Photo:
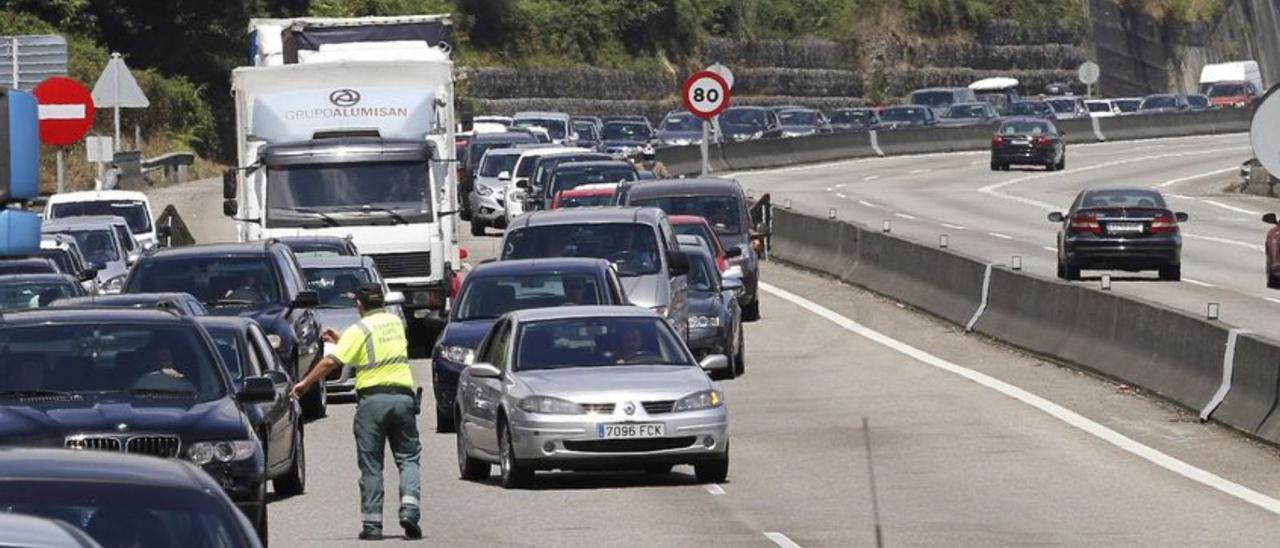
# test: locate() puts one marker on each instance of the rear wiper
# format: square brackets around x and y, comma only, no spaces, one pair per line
[329,220]
[37,394]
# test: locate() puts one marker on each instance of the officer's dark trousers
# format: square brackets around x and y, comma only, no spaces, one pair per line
[383,418]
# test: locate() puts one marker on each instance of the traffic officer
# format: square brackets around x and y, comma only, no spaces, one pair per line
[375,347]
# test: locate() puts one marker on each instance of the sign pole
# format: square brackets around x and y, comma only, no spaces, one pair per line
[60,169]
[706,136]
[13,51]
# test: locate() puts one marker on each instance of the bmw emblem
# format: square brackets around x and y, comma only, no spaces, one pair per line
[122,427]
[629,408]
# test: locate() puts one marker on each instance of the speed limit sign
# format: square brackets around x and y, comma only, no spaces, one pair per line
[705,94]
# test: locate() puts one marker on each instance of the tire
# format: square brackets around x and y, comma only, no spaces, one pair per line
[477,227]
[514,475]
[261,522]
[469,469]
[1062,164]
[751,311]
[1068,271]
[315,403]
[740,357]
[1171,273]
[444,423]
[1273,282]
[294,482]
[1051,166]
[713,471]
[995,166]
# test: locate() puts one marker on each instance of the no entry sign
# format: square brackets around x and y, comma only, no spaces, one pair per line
[65,110]
[705,94]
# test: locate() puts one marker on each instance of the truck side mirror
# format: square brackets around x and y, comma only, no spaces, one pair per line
[230,208]
[229,184]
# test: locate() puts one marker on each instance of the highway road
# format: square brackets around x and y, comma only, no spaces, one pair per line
[961,457]
[994,216]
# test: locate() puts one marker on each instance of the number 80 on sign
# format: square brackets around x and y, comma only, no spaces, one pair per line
[705,94]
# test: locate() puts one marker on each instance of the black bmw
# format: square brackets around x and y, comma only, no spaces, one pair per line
[1028,141]
[1122,229]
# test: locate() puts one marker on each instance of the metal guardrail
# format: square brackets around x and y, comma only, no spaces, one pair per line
[171,167]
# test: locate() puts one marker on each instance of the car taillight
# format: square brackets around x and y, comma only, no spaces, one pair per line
[997,141]
[1084,222]
[1163,224]
[1043,142]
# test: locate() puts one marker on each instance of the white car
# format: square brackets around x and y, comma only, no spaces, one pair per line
[512,193]
[1102,108]
[133,206]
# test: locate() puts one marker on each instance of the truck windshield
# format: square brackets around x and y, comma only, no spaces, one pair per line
[348,194]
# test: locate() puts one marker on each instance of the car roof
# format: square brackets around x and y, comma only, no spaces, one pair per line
[950,89]
[541,114]
[710,186]
[258,248]
[1025,119]
[797,109]
[94,466]
[504,137]
[594,189]
[646,215]
[286,240]
[592,163]
[96,196]
[225,322]
[41,277]
[549,149]
[572,312]
[687,220]
[747,107]
[56,315]
[521,266]
[40,260]
[335,261]
[83,221]
[125,299]
[1123,188]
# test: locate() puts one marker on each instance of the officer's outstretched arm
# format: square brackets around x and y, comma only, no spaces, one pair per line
[318,372]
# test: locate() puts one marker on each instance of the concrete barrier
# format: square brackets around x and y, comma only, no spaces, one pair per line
[1255,384]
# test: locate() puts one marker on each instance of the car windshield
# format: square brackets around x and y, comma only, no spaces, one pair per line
[597,342]
[798,118]
[61,258]
[585,130]
[18,295]
[633,247]
[212,279]
[1159,101]
[703,273]
[747,118]
[555,128]
[1128,105]
[903,114]
[626,131]
[570,179]
[1029,108]
[125,515]
[348,194]
[681,122]
[524,166]
[1198,101]
[336,286]
[1122,198]
[98,245]
[935,99]
[487,297]
[494,164]
[27,267]
[966,111]
[1062,106]
[227,340]
[851,117]
[1227,90]
[1098,106]
[133,211]
[720,211]
[585,201]
[104,358]
[1021,127]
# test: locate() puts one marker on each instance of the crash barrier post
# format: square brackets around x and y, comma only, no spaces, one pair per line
[178,233]
[1203,365]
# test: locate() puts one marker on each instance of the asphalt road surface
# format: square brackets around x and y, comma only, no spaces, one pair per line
[958,462]
[997,215]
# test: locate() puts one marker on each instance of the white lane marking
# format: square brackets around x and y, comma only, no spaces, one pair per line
[1230,207]
[829,189]
[1255,247]
[870,177]
[868,204]
[953,227]
[1172,182]
[904,216]
[1001,236]
[919,171]
[1050,408]
[1197,282]
[781,540]
[1047,248]
[714,489]
[60,112]
[1272,299]
[1181,196]
[841,196]
[839,185]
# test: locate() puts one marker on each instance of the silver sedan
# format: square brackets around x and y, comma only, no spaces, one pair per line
[589,388]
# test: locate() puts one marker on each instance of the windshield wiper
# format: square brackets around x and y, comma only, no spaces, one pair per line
[37,394]
[390,213]
[162,392]
[329,220]
[223,302]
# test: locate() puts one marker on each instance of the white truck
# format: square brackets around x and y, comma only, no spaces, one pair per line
[1232,84]
[345,127]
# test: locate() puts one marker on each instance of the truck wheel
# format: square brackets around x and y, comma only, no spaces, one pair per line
[477,227]
[1273,282]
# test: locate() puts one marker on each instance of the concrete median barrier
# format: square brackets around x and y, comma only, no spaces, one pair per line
[1255,384]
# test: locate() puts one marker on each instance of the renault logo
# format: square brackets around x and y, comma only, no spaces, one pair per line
[629,408]
[344,97]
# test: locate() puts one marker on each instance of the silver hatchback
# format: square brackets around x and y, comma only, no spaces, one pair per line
[589,388]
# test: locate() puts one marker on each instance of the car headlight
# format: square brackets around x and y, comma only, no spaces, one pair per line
[484,190]
[757,135]
[546,405]
[699,322]
[274,340]
[706,399]
[114,285]
[661,310]
[205,452]
[457,354]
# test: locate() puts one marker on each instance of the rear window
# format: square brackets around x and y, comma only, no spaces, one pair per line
[133,211]
[935,99]
[1021,127]
[494,164]
[850,117]
[1098,106]
[1122,198]
[904,114]
[1029,108]
[1227,90]
[1159,101]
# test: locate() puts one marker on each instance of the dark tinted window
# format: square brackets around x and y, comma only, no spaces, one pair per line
[681,121]
[492,296]
[748,118]
[98,246]
[703,273]
[336,286]
[1227,90]
[32,294]
[347,187]
[966,111]
[597,342]
[27,267]
[134,212]
[633,247]
[626,131]
[212,280]
[1029,108]
[935,99]
[1063,106]
[798,118]
[1095,199]
[569,179]
[904,114]
[1159,101]
[227,341]
[1025,127]
[1128,105]
[1198,101]
[1098,106]
[720,211]
[60,258]
[853,117]
[555,128]
[585,201]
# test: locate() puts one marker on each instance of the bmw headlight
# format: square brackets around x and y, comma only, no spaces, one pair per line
[700,322]
[205,452]
[547,405]
[114,285]
[706,399]
[457,354]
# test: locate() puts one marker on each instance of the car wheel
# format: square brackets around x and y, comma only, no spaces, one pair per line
[261,522]
[444,423]
[1051,166]
[294,482]
[477,227]
[1062,164]
[514,474]
[713,471]
[470,469]
[1171,273]
[1273,282]
[751,311]
[995,166]
[740,357]
[315,402]
[1068,271]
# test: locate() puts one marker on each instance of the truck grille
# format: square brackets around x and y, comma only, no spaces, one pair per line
[156,446]
[403,265]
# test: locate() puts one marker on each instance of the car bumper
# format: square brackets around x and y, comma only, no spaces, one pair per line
[1034,155]
[242,481]
[706,342]
[444,382]
[1123,254]
[571,442]
[487,208]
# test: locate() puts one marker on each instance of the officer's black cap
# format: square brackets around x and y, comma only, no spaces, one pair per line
[370,296]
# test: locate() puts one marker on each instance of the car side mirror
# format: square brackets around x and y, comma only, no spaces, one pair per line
[733,284]
[733,252]
[504,176]
[1181,217]
[1269,218]
[523,184]
[88,274]
[1055,217]
[278,377]
[714,362]
[229,184]
[484,370]
[394,297]
[306,299]
[677,263]
[257,390]
[230,208]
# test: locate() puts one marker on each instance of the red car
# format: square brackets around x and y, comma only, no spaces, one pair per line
[698,226]
[585,196]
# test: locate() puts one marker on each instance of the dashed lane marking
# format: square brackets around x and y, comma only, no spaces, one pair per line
[714,489]
[904,216]
[781,540]
[868,204]
[1172,182]
[999,235]
[1197,282]
[953,227]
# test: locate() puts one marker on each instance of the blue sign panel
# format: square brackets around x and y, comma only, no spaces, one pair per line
[19,146]
[19,233]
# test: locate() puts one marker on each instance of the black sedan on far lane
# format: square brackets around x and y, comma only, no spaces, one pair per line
[1119,228]
[1028,141]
